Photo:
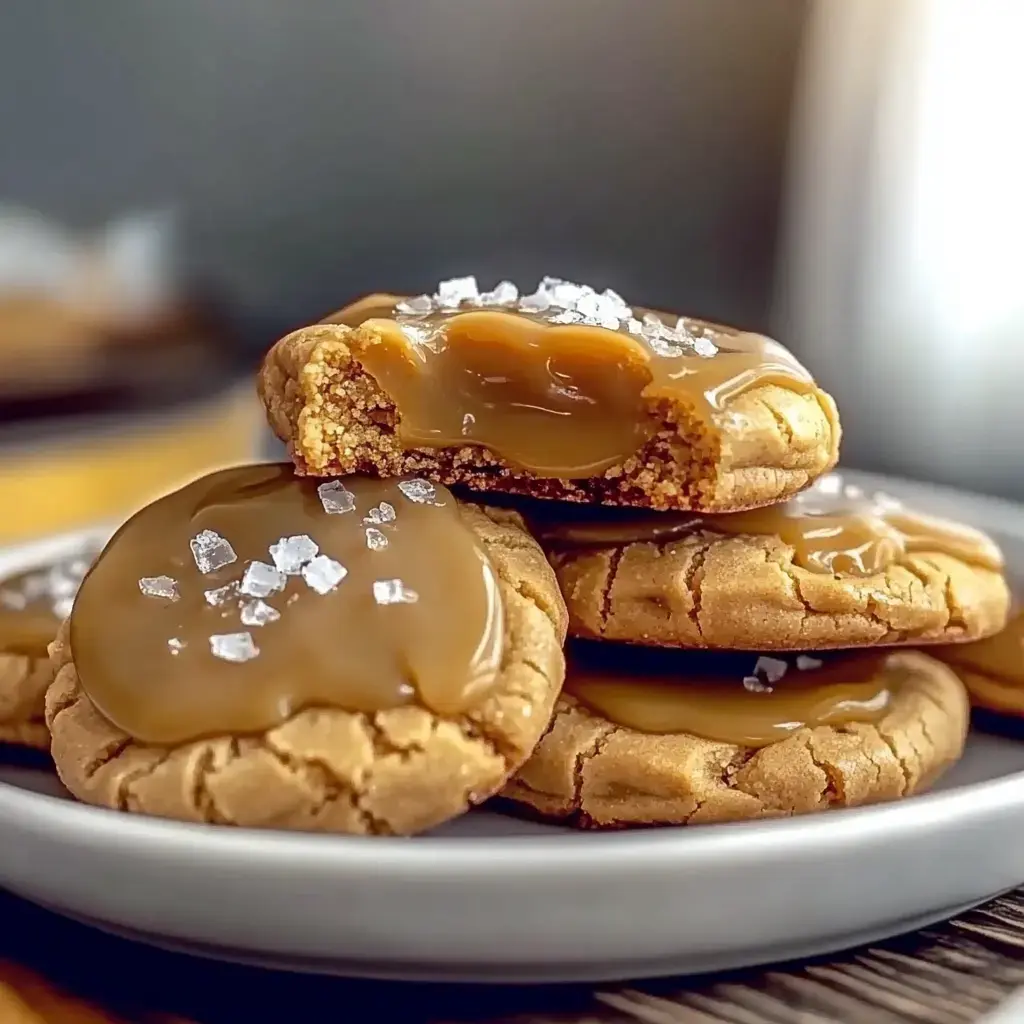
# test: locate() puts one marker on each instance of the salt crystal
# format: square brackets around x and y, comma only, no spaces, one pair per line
[451,294]
[538,302]
[323,574]
[258,613]
[211,551]
[754,685]
[416,306]
[393,592]
[805,662]
[773,668]
[662,347]
[221,595]
[415,333]
[261,579]
[159,586]
[336,498]
[619,302]
[564,294]
[567,316]
[830,484]
[382,513]
[233,646]
[468,422]
[504,293]
[290,554]
[174,645]
[423,492]
[375,540]
[705,347]
[634,326]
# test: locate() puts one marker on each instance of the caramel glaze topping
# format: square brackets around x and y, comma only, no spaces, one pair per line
[1000,657]
[35,602]
[727,697]
[251,594]
[832,527]
[565,400]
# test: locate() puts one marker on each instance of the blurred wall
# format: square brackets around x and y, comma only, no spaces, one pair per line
[321,148]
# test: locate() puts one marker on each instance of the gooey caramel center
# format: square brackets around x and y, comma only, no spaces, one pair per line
[565,400]
[832,527]
[727,697]
[251,594]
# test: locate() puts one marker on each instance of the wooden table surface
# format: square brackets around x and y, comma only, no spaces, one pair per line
[55,970]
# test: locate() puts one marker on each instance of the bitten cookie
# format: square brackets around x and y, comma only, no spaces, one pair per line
[831,568]
[32,606]
[364,656]
[564,393]
[992,669]
[591,772]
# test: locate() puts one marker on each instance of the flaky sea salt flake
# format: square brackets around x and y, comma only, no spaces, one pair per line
[236,647]
[538,302]
[290,554]
[261,580]
[567,316]
[505,293]
[393,592]
[382,513]
[323,574]
[336,498]
[451,294]
[175,646]
[705,348]
[211,551]
[375,540]
[415,333]
[159,586]
[754,685]
[416,306]
[221,595]
[258,613]
[805,662]
[772,668]
[422,492]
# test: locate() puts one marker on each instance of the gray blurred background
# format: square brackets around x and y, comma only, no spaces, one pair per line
[765,163]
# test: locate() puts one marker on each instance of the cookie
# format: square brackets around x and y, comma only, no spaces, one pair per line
[365,656]
[992,669]
[833,567]
[768,749]
[560,394]
[32,606]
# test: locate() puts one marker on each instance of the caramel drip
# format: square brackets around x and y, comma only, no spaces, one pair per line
[832,528]
[1000,657]
[566,401]
[410,612]
[704,694]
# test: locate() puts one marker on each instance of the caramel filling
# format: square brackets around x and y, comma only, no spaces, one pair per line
[555,398]
[34,603]
[1000,657]
[728,697]
[250,594]
[832,528]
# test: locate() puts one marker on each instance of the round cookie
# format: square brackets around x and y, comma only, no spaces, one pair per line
[32,606]
[992,669]
[562,394]
[831,568]
[427,742]
[590,772]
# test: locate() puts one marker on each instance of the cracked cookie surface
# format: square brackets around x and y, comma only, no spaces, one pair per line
[337,420]
[745,592]
[23,682]
[398,771]
[592,773]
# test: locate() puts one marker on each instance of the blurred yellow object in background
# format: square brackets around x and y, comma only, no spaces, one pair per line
[94,471]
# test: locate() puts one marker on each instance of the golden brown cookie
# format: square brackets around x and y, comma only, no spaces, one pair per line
[615,408]
[314,765]
[831,568]
[32,606]
[592,773]
[992,669]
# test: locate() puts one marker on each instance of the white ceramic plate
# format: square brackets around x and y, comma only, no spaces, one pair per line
[491,898]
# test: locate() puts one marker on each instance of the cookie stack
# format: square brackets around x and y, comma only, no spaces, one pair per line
[373,639]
